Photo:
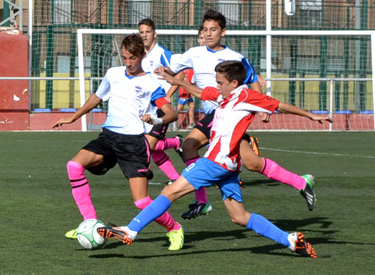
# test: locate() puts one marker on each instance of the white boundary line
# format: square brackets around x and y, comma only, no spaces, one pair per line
[316,153]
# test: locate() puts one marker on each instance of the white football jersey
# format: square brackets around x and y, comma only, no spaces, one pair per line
[232,118]
[128,99]
[203,61]
[157,57]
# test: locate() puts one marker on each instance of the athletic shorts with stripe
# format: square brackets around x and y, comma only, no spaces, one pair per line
[131,152]
[205,173]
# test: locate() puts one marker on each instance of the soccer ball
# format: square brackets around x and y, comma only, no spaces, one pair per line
[87,235]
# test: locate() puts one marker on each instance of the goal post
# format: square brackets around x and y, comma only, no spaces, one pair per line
[271,45]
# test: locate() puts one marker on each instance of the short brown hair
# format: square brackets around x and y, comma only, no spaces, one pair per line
[133,43]
[147,22]
[232,70]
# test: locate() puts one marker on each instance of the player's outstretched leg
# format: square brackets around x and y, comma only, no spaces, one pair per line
[300,246]
[308,192]
[262,226]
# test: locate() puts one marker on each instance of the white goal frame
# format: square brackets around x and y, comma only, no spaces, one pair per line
[268,33]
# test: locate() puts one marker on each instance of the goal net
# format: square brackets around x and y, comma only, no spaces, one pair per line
[323,71]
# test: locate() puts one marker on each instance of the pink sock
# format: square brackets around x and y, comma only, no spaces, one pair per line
[164,220]
[81,190]
[200,195]
[162,160]
[274,171]
[167,143]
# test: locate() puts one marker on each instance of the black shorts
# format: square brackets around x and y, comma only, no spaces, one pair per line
[131,152]
[158,131]
[205,124]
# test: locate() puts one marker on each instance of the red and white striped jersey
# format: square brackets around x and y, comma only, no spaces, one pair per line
[232,118]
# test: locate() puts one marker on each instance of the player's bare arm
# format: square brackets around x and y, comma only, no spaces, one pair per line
[291,109]
[257,87]
[170,116]
[262,81]
[184,83]
[90,104]
[174,88]
[164,70]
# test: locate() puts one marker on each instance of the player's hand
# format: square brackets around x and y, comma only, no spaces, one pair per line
[264,117]
[262,82]
[66,120]
[160,70]
[151,119]
[146,118]
[170,79]
[321,118]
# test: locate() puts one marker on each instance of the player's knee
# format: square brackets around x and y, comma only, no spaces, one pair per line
[75,170]
[254,165]
[190,145]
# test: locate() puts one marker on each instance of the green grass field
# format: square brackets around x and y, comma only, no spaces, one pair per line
[37,209]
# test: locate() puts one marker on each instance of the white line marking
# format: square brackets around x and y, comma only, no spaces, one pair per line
[317,153]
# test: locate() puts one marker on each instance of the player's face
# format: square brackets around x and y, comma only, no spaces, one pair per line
[224,86]
[148,36]
[133,63]
[213,34]
[201,40]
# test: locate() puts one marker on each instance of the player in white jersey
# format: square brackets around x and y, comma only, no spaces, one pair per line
[131,94]
[157,56]
[221,163]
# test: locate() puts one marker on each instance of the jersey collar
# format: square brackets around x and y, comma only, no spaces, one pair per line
[212,51]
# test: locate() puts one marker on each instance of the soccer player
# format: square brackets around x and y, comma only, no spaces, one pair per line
[157,56]
[184,96]
[221,163]
[132,97]
[203,61]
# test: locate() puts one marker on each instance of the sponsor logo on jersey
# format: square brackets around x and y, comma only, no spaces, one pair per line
[138,89]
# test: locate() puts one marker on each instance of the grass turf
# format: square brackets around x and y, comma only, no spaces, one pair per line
[37,209]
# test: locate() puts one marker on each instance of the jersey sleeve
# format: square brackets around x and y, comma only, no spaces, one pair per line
[261,100]
[104,88]
[210,93]
[165,58]
[160,102]
[251,75]
[180,62]
[158,94]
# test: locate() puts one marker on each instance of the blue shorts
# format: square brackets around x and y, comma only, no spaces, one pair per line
[184,101]
[205,173]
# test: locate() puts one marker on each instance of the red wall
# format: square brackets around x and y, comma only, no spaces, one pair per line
[14,94]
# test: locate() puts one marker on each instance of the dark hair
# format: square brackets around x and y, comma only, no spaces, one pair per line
[216,16]
[147,22]
[232,70]
[200,29]
[133,43]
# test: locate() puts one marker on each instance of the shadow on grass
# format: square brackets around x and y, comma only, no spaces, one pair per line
[327,237]
[264,181]
[240,234]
